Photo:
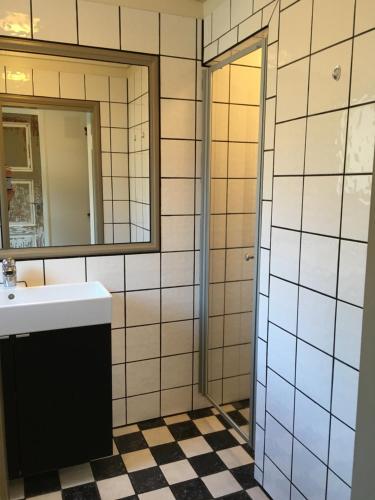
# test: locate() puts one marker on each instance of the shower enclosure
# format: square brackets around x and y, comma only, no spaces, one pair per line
[232,180]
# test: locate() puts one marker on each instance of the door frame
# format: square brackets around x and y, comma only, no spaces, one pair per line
[260,42]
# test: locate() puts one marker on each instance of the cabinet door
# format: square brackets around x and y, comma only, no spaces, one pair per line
[63,381]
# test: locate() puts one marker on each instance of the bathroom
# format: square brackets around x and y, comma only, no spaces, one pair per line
[189,224]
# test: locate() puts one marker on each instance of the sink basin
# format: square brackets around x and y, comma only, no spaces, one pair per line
[53,307]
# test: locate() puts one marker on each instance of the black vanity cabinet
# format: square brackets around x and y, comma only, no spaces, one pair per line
[57,398]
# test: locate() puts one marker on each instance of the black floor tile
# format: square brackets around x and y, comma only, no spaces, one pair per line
[239,495]
[42,483]
[184,430]
[87,491]
[220,440]
[105,468]
[130,442]
[189,490]
[224,421]
[147,480]
[166,453]
[204,412]
[207,464]
[248,449]
[245,476]
[238,418]
[239,405]
[150,424]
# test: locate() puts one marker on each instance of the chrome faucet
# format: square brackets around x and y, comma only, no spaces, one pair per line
[9,273]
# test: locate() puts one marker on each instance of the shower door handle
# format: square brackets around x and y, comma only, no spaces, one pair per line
[248,257]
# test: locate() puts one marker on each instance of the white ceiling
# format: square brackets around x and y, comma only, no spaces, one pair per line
[193,8]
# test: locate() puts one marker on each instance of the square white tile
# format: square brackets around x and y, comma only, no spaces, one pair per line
[177,268]
[177,233]
[345,393]
[337,488]
[283,304]
[142,271]
[364,16]
[322,205]
[292,99]
[311,426]
[361,140]
[356,207]
[55,21]
[115,487]
[138,460]
[177,119]
[139,30]
[314,373]
[362,73]
[295,32]
[177,303]
[309,474]
[176,371]
[341,450]
[177,77]
[59,271]
[177,337]
[325,143]
[287,202]
[235,457]
[176,400]
[280,400]
[177,196]
[324,32]
[326,93]
[240,10]
[274,481]
[352,273]
[316,319]
[278,445]
[178,36]
[142,342]
[143,407]
[195,446]
[348,333]
[109,270]
[281,355]
[290,147]
[319,256]
[98,24]
[221,483]
[177,472]
[285,254]
[142,307]
[76,475]
[142,377]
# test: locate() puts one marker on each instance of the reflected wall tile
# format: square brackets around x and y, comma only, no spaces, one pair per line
[177,36]
[295,32]
[324,32]
[139,30]
[15,18]
[19,80]
[98,24]
[55,20]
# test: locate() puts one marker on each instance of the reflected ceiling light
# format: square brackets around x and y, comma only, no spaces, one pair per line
[18,76]
[18,24]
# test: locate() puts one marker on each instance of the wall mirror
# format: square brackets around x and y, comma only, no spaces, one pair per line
[79,150]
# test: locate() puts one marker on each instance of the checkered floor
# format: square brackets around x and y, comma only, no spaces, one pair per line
[192,456]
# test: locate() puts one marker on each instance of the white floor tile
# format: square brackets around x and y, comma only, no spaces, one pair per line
[115,487]
[209,424]
[129,429]
[175,419]
[257,494]
[176,472]
[220,484]
[158,435]
[74,476]
[138,460]
[195,446]
[235,457]
[16,489]
[162,494]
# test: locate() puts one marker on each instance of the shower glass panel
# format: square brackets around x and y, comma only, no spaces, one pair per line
[231,249]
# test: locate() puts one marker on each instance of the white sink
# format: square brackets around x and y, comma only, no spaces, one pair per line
[53,307]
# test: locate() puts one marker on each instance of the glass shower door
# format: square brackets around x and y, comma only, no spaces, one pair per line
[231,249]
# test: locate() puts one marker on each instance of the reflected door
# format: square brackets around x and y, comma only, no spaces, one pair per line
[232,242]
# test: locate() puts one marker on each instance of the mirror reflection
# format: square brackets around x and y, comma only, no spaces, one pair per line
[76,152]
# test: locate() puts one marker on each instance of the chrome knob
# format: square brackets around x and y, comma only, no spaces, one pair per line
[248,257]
